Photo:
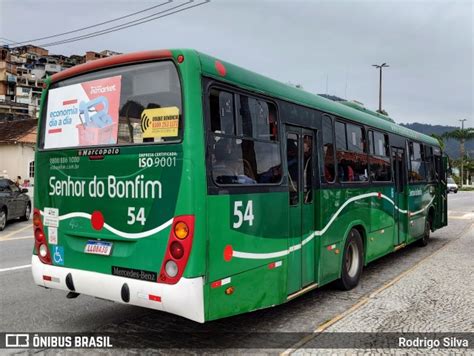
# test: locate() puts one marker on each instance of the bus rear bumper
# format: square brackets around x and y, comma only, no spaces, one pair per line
[185,298]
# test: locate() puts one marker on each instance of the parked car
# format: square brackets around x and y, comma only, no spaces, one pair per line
[452,186]
[14,202]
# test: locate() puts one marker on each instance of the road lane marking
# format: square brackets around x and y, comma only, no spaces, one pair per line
[17,238]
[364,300]
[15,232]
[14,268]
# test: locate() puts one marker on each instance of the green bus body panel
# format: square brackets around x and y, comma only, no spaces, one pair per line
[91,175]
[283,250]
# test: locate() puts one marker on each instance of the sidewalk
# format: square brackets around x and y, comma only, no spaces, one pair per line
[437,296]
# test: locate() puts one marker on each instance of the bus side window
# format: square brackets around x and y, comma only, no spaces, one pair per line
[328,173]
[293,167]
[429,163]
[243,157]
[351,153]
[222,112]
[417,172]
[308,168]
[257,119]
[379,159]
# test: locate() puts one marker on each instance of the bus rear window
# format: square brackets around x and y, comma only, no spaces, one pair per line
[132,104]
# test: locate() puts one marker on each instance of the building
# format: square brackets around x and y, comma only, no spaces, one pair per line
[8,76]
[39,51]
[17,148]
[91,55]
[22,73]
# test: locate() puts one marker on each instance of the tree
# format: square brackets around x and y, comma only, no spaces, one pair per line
[461,135]
[441,142]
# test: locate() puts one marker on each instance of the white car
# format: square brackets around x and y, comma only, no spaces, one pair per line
[452,186]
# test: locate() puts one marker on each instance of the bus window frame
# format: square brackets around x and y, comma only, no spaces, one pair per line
[42,122]
[210,84]
[335,181]
[314,152]
[366,151]
[422,155]
[372,130]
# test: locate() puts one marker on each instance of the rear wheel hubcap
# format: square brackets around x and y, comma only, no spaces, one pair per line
[352,259]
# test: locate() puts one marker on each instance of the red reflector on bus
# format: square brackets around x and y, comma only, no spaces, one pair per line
[180,58]
[379,195]
[220,68]
[154,298]
[216,284]
[331,247]
[274,264]
[47,278]
[220,282]
[228,252]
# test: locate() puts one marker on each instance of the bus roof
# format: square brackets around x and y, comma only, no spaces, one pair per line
[211,66]
[264,85]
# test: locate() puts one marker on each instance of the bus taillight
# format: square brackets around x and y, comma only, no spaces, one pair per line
[178,249]
[41,248]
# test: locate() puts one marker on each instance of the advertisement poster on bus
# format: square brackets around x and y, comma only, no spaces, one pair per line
[83,114]
[160,122]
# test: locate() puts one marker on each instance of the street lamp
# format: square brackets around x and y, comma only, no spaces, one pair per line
[383,65]
[462,123]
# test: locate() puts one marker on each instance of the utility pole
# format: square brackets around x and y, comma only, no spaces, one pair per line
[380,67]
[462,153]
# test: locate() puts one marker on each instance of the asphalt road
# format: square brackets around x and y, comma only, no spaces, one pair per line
[24,307]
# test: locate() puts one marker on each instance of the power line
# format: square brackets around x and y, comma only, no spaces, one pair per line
[127,24]
[7,39]
[88,27]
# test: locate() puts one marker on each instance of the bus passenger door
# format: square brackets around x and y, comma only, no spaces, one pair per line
[400,196]
[300,162]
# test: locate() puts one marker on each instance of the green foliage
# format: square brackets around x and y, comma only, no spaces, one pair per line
[440,140]
[460,134]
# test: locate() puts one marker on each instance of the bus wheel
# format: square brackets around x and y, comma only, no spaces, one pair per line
[352,261]
[426,235]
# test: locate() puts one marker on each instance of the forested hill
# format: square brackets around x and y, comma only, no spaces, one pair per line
[452,146]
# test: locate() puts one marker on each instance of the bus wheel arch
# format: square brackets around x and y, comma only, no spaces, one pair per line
[362,232]
[352,260]
[424,240]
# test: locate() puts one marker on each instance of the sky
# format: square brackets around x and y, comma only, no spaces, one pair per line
[326,46]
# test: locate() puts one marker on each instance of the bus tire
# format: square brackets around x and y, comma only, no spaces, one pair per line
[352,261]
[426,234]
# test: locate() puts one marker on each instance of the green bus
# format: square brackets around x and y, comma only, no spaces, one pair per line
[175,181]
